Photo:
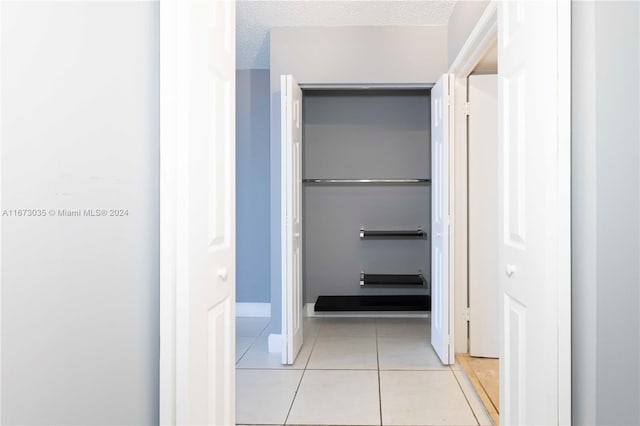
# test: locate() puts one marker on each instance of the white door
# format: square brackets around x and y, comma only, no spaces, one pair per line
[441,300]
[291,157]
[198,119]
[533,222]
[484,295]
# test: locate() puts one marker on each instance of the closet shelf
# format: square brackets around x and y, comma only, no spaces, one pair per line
[419,233]
[373,303]
[392,280]
[366,181]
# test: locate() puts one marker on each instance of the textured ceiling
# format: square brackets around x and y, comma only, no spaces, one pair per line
[256,17]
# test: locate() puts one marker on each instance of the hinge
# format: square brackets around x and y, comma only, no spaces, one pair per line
[466,108]
[466,313]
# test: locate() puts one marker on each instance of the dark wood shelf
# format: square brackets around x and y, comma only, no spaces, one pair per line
[378,234]
[392,280]
[373,303]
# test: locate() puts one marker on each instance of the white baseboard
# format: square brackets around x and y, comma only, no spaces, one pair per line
[311,313]
[275,343]
[253,309]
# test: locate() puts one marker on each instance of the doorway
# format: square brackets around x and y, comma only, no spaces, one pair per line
[522,399]
[365,211]
[483,309]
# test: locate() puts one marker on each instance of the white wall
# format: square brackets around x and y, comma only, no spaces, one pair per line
[605,213]
[80,107]
[463,19]
[343,55]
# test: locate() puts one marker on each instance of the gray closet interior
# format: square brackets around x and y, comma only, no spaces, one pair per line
[366,134]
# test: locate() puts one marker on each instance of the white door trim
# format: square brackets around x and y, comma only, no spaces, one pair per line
[479,42]
[564,211]
[169,111]
[168,196]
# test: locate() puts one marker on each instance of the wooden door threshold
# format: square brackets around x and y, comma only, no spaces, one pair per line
[492,409]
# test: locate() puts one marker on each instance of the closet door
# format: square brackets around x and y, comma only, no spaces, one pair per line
[291,195]
[484,291]
[198,212]
[441,300]
[534,214]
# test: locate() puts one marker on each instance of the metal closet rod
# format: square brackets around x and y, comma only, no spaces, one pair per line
[366,180]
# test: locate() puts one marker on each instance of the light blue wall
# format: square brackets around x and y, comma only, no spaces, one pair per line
[606,213]
[252,186]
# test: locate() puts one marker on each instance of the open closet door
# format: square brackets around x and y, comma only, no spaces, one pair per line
[484,295]
[534,214]
[291,194]
[441,300]
[198,237]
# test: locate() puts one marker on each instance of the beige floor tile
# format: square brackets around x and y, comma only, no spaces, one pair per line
[258,356]
[265,396]
[242,345]
[337,398]
[393,327]
[456,367]
[251,326]
[472,397]
[342,327]
[334,353]
[423,398]
[311,326]
[408,353]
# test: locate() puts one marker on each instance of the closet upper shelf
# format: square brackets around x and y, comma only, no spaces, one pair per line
[367,181]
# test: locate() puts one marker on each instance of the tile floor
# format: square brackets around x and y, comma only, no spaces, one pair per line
[351,371]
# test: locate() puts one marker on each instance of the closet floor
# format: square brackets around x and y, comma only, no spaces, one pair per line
[351,371]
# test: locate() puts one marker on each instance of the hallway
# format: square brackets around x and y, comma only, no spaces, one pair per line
[351,371]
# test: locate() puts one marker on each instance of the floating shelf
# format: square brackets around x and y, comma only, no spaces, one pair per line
[366,181]
[391,280]
[419,233]
[373,303]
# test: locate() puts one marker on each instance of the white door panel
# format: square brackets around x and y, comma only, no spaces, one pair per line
[204,84]
[291,154]
[529,234]
[484,295]
[441,298]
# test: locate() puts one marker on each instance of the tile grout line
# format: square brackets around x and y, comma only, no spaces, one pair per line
[375,323]
[304,370]
[246,350]
[255,339]
[465,396]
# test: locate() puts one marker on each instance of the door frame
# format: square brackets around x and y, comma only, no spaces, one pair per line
[480,40]
[169,195]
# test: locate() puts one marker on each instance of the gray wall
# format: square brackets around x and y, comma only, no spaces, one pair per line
[80,107]
[343,55]
[605,213]
[356,134]
[463,19]
[252,186]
